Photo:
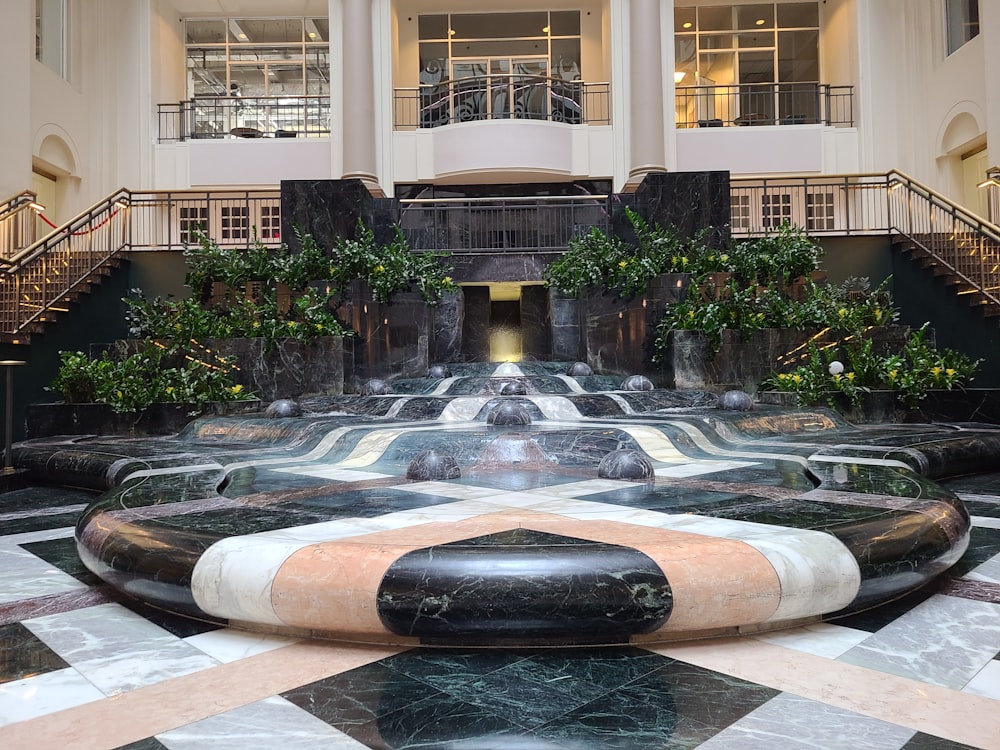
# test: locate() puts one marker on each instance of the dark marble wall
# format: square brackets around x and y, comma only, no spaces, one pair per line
[476,324]
[564,327]
[393,339]
[446,341]
[536,327]
[326,209]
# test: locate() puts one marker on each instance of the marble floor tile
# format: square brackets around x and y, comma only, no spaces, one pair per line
[789,722]
[822,639]
[987,681]
[264,725]
[44,694]
[944,640]
[228,645]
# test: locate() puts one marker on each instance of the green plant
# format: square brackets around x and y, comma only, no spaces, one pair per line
[912,372]
[782,255]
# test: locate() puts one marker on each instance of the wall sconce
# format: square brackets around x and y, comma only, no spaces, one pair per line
[992,178]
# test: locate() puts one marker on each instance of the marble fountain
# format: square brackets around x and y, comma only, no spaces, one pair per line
[516,504]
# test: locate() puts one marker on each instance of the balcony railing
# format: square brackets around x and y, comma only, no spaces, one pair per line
[17,223]
[497,225]
[502,97]
[764,104]
[244,117]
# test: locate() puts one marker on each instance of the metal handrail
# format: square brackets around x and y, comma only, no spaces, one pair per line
[215,117]
[17,224]
[502,96]
[801,103]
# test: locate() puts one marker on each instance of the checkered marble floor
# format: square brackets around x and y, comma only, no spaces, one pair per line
[85,665]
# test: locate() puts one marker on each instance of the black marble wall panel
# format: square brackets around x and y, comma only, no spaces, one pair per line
[564,327]
[326,209]
[393,339]
[476,324]
[687,201]
[508,266]
[289,370]
[536,332]
[448,316]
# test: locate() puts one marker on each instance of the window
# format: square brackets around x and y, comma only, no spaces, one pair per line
[752,64]
[50,34]
[819,211]
[270,222]
[740,211]
[961,21]
[191,220]
[235,221]
[257,57]
[776,210]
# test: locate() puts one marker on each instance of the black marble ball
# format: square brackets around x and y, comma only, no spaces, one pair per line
[376,387]
[283,407]
[637,383]
[625,464]
[579,370]
[438,372]
[736,401]
[432,465]
[513,388]
[509,413]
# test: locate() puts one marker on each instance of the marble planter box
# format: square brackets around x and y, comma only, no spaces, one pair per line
[744,362]
[290,370]
[617,335]
[878,407]
[44,420]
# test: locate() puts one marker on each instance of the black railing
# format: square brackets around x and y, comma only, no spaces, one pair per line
[764,104]
[502,97]
[492,225]
[244,117]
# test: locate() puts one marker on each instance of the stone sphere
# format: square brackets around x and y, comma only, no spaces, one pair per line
[625,464]
[432,465]
[283,407]
[376,387]
[509,413]
[736,401]
[438,372]
[513,388]
[637,383]
[836,368]
[579,370]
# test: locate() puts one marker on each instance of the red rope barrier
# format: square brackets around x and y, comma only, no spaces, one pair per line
[85,231]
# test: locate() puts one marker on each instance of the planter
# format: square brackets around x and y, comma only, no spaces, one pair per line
[745,361]
[44,420]
[885,406]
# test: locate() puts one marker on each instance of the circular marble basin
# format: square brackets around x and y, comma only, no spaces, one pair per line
[309,525]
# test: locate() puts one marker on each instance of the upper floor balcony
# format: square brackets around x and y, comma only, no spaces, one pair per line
[503,96]
[764,104]
[244,117]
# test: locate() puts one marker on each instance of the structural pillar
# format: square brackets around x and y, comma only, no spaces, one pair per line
[358,86]
[646,125]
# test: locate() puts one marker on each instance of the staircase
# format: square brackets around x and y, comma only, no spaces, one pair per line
[947,241]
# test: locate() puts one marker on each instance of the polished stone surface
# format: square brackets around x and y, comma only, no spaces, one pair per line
[710,521]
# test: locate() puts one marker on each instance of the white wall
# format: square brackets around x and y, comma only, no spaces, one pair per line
[237,162]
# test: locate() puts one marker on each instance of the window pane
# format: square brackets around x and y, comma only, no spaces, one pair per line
[756,67]
[684,19]
[798,56]
[719,18]
[254,54]
[207,72]
[266,31]
[433,62]
[498,48]
[962,20]
[317,30]
[717,68]
[566,59]
[716,41]
[317,72]
[205,32]
[756,39]
[798,15]
[755,16]
[285,79]
[498,25]
[433,27]
[564,23]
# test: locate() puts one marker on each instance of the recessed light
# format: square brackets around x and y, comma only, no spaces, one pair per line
[760,21]
[545,29]
[312,34]
[687,24]
[241,35]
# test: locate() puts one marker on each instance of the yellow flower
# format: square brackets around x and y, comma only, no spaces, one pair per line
[842,312]
[849,376]
[170,389]
[622,264]
[950,372]
[379,268]
[892,375]
[690,313]
[333,270]
[236,389]
[724,258]
[256,324]
[878,315]
[319,326]
[447,279]
[797,378]
[935,370]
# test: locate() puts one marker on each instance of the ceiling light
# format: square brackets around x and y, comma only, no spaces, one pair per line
[545,29]
[451,32]
[312,34]
[686,25]
[241,35]
[760,21]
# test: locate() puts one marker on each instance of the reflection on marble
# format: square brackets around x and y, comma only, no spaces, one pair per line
[749,519]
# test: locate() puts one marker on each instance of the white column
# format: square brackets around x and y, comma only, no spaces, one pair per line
[358,85]
[646,123]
